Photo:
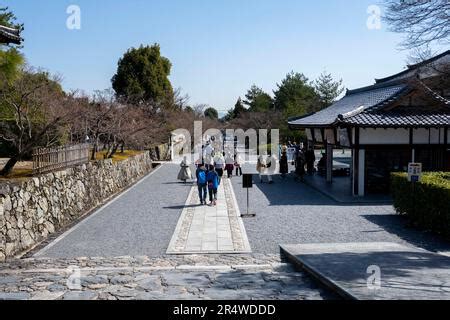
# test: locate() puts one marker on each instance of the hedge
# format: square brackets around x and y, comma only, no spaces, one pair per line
[426,203]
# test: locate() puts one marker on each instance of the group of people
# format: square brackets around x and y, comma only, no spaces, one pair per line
[213,164]
[221,160]
[302,157]
[210,170]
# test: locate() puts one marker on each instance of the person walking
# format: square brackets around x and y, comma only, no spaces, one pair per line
[262,167]
[202,183]
[300,165]
[229,165]
[284,167]
[185,171]
[208,152]
[237,164]
[213,184]
[219,164]
[310,158]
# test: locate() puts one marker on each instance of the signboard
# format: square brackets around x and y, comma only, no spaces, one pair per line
[344,139]
[247,181]
[414,172]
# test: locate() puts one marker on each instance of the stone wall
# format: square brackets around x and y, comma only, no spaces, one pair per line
[160,152]
[32,209]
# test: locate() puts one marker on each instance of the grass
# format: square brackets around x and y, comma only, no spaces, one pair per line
[24,170]
[118,156]
[18,173]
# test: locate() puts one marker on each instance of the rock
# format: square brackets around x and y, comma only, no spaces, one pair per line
[43,204]
[121,279]
[89,280]
[47,295]
[12,235]
[28,224]
[8,280]
[150,283]
[14,295]
[7,205]
[55,287]
[10,249]
[36,182]
[80,295]
[49,226]
[26,239]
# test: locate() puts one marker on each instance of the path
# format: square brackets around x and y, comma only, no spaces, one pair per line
[193,277]
[289,212]
[210,229]
[139,222]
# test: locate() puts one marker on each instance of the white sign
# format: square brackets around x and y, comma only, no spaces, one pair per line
[414,172]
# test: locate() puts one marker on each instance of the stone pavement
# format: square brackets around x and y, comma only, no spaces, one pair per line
[375,270]
[210,229]
[194,277]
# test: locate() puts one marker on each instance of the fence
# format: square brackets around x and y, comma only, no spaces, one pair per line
[51,159]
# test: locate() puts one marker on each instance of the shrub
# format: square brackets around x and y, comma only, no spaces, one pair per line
[426,203]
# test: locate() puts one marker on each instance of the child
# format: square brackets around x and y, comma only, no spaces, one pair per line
[201,183]
[213,184]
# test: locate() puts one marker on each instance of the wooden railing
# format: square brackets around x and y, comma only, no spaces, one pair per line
[52,159]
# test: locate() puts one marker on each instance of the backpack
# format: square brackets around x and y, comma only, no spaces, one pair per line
[211,177]
[202,177]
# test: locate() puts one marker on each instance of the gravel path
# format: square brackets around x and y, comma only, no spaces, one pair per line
[290,212]
[140,222]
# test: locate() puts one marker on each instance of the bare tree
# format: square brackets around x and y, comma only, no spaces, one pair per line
[34,110]
[423,22]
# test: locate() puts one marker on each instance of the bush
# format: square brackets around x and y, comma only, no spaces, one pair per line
[426,203]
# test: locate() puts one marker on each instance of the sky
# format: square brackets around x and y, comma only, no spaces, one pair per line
[218,48]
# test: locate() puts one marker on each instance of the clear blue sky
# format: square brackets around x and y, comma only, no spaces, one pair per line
[218,48]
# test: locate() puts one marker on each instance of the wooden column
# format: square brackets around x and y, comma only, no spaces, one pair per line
[329,155]
[355,161]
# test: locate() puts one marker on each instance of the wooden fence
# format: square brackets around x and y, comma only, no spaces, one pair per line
[52,159]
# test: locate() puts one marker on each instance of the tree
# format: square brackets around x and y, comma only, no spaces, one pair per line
[211,113]
[142,75]
[257,100]
[11,60]
[295,95]
[239,108]
[327,89]
[422,22]
[33,111]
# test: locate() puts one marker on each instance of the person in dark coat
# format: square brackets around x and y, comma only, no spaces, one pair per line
[310,158]
[284,168]
[300,165]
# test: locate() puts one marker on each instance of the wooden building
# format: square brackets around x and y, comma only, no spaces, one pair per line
[400,119]
[9,35]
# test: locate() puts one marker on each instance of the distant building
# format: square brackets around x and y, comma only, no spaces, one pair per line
[400,119]
[9,35]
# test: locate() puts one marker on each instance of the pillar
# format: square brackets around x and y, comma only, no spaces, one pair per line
[329,154]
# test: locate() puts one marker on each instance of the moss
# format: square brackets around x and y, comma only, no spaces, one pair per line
[119,156]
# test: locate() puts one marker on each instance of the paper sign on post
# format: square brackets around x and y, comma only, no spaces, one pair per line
[414,172]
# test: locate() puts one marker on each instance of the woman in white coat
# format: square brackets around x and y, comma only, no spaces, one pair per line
[185,170]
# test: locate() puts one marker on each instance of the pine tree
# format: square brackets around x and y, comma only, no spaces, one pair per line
[327,89]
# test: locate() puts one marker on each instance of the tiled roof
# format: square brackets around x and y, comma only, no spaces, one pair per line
[413,68]
[9,35]
[364,99]
[399,119]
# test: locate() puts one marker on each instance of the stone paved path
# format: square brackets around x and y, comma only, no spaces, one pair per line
[142,278]
[210,229]
[139,222]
